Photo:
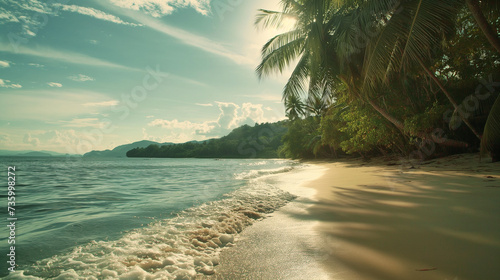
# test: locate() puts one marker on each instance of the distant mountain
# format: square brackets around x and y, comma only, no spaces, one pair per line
[35,154]
[30,153]
[121,151]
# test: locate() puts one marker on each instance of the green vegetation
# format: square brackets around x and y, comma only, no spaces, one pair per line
[260,141]
[387,76]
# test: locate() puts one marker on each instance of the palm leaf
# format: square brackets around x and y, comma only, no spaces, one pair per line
[421,25]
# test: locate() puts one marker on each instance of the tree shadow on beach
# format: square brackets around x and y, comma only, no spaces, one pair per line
[410,225]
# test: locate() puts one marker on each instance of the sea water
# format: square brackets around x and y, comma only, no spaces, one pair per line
[133,218]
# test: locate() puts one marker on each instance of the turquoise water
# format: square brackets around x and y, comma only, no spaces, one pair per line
[78,217]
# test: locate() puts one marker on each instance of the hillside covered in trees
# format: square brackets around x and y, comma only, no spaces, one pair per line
[259,141]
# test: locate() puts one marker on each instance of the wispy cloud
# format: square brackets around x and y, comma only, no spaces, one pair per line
[158,8]
[93,13]
[187,37]
[8,84]
[23,12]
[7,16]
[52,84]
[52,105]
[80,78]
[82,122]
[61,55]
[36,65]
[205,105]
[35,6]
[274,97]
[26,14]
[4,64]
[110,103]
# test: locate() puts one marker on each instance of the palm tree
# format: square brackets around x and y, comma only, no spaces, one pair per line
[408,39]
[482,22]
[307,43]
[324,44]
[294,107]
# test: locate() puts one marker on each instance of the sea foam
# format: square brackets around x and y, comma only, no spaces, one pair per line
[183,247]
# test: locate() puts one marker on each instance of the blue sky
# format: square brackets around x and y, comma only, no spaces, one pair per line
[77,76]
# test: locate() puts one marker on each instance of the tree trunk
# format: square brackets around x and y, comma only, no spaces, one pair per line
[450,98]
[485,26]
[495,157]
[398,124]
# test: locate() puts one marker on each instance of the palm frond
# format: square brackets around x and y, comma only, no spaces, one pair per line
[421,25]
[267,18]
[276,60]
[299,79]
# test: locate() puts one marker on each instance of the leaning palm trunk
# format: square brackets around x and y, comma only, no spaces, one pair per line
[491,136]
[426,137]
[450,98]
[488,31]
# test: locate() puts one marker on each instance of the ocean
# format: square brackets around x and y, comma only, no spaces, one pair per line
[133,218]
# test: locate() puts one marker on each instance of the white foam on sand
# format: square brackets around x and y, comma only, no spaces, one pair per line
[253,174]
[185,247]
[285,245]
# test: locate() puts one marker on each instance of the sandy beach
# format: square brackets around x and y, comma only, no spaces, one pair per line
[379,220]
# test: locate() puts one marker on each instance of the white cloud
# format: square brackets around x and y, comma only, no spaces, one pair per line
[63,141]
[28,139]
[80,78]
[7,16]
[185,125]
[4,138]
[158,8]
[36,65]
[23,13]
[64,56]
[176,131]
[35,6]
[93,13]
[205,105]
[4,64]
[110,103]
[26,13]
[52,84]
[8,84]
[230,117]
[30,33]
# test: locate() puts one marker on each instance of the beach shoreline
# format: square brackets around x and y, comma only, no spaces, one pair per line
[380,220]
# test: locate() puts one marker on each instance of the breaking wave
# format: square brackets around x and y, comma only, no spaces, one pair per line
[183,247]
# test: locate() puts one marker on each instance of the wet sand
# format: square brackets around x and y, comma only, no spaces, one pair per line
[440,220]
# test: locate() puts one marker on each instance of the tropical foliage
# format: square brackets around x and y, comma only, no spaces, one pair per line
[384,76]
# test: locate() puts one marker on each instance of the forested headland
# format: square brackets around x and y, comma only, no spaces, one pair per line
[259,141]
